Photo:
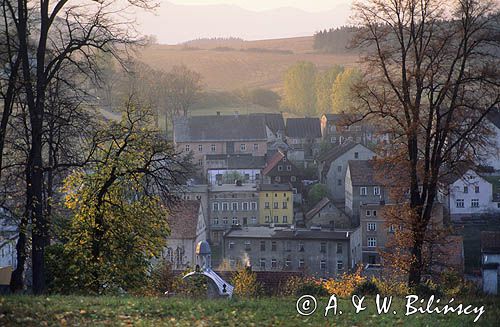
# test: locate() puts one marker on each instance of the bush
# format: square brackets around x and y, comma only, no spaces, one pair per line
[346,284]
[427,289]
[245,284]
[311,287]
[368,287]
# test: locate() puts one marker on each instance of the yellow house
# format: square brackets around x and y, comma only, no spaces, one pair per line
[275,204]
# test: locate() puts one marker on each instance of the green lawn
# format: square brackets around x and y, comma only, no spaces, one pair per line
[99,311]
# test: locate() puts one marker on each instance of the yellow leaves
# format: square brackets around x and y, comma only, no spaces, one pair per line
[345,285]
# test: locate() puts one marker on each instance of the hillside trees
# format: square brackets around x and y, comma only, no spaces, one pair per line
[299,93]
[341,94]
[432,74]
[324,83]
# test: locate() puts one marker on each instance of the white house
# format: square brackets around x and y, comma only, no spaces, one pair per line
[332,166]
[8,241]
[469,194]
[187,227]
[491,155]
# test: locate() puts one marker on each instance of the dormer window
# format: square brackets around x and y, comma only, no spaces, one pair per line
[363,190]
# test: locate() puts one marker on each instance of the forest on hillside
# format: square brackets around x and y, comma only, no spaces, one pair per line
[335,40]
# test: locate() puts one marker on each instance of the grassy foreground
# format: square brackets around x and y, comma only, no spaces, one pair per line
[99,311]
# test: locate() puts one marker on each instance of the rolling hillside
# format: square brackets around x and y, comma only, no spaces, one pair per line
[241,64]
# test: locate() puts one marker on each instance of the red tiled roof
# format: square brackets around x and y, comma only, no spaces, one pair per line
[183,219]
[273,162]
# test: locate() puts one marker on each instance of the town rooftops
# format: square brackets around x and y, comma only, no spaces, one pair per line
[317,208]
[183,219]
[275,187]
[273,121]
[287,233]
[490,242]
[238,161]
[275,159]
[337,151]
[234,188]
[362,172]
[303,128]
[220,128]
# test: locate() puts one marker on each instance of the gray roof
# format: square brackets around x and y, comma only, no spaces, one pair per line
[239,161]
[220,128]
[275,122]
[287,233]
[494,117]
[362,172]
[303,128]
[275,187]
[337,151]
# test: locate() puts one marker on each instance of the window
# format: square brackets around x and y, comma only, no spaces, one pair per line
[356,155]
[460,203]
[333,139]
[232,262]
[362,190]
[216,220]
[476,189]
[339,182]
[224,220]
[200,147]
[225,206]
[322,248]
[322,265]
[277,179]
[392,229]
[301,263]
[301,246]
[280,168]
[247,246]
[213,148]
[466,189]
[262,263]
[474,203]
[374,213]
[253,206]
[268,219]
[200,162]
[273,246]
[372,242]
[254,220]
[276,205]
[263,245]
[256,147]
[266,205]
[293,178]
[235,220]
[231,245]
[288,246]
[243,147]
[285,204]
[215,206]
[285,219]
[275,219]
[340,264]
[288,263]
[244,206]
[376,190]
[234,206]
[245,221]
[339,248]
[273,263]
[372,227]
[339,168]
[289,168]
[368,212]
[188,148]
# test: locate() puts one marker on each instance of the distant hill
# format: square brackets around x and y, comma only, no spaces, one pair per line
[233,64]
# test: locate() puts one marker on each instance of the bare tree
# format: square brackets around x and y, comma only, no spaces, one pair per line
[432,72]
[50,34]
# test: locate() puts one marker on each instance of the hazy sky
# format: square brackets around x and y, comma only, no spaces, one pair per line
[309,5]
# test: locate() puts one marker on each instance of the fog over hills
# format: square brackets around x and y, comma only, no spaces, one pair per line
[175,23]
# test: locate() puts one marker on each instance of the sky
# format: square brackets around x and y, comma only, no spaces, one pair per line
[177,21]
[258,5]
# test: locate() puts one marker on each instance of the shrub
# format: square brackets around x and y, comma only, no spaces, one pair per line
[368,287]
[346,284]
[195,286]
[427,289]
[245,284]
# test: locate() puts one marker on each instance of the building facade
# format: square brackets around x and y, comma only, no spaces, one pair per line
[275,204]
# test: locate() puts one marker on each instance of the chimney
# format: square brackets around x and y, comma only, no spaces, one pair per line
[218,113]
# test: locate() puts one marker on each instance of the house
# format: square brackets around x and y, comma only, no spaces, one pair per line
[226,168]
[469,194]
[303,134]
[332,166]
[326,215]
[280,170]
[275,125]
[219,134]
[338,128]
[275,204]
[490,261]
[232,205]
[187,227]
[491,157]
[316,252]
[197,192]
[361,187]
